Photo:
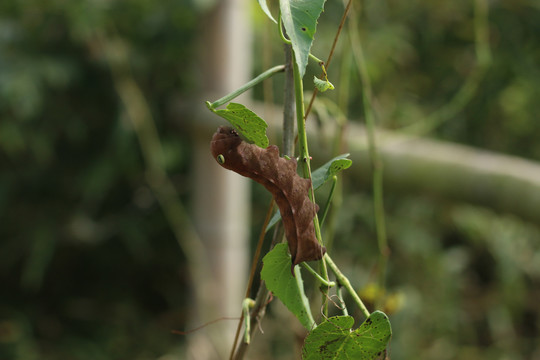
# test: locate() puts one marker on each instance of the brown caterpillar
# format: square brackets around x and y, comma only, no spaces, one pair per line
[278,175]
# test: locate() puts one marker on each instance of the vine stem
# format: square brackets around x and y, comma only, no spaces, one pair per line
[305,160]
[317,276]
[265,75]
[344,281]
[470,87]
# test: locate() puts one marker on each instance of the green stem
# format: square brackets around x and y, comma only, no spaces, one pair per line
[305,160]
[319,61]
[281,34]
[317,276]
[301,124]
[470,87]
[340,297]
[342,279]
[246,305]
[265,75]
[288,104]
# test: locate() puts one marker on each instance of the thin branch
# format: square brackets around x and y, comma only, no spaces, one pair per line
[317,276]
[331,54]
[470,87]
[254,263]
[139,114]
[343,280]
[261,299]
[305,160]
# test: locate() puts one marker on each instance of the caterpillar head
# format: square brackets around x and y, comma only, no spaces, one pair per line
[224,147]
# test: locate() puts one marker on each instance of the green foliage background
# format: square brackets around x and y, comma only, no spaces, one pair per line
[88,265]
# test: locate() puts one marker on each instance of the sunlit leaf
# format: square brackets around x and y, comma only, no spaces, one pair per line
[249,126]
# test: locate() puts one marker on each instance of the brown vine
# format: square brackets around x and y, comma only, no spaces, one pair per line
[278,175]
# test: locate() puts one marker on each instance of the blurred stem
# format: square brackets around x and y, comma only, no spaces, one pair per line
[339,145]
[41,254]
[469,88]
[376,163]
[343,100]
[142,121]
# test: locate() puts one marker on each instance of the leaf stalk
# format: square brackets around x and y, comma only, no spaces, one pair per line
[242,89]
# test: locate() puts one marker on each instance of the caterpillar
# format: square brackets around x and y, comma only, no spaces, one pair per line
[278,175]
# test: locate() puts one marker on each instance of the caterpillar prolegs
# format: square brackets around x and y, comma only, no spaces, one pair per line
[278,175]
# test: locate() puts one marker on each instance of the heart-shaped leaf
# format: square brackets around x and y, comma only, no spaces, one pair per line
[333,339]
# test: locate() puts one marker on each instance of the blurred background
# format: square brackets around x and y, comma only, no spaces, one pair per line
[117,227]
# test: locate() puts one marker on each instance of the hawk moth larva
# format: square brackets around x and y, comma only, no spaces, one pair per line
[278,175]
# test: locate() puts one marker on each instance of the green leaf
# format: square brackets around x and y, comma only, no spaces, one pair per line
[249,126]
[322,85]
[331,168]
[276,272]
[333,339]
[299,18]
[264,7]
